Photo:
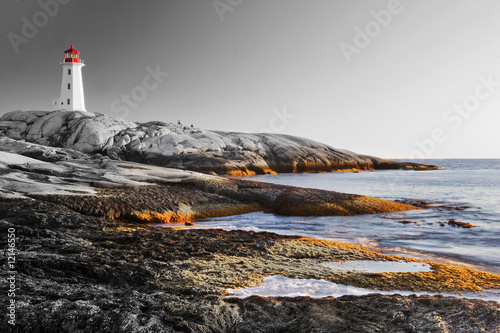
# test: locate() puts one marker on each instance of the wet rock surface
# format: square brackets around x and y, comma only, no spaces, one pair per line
[80,273]
[458,224]
[127,190]
[372,313]
[178,146]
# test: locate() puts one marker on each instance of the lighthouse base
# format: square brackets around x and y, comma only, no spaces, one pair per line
[59,104]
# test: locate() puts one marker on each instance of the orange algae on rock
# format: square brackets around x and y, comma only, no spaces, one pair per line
[333,244]
[248,172]
[164,217]
[190,213]
[293,203]
[375,205]
[269,171]
[452,278]
[221,209]
[442,278]
[238,172]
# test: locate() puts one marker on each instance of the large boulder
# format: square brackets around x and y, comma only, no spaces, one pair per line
[83,131]
[92,134]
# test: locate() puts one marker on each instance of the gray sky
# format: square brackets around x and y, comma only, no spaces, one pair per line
[412,84]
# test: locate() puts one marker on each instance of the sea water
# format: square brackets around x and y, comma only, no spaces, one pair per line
[469,190]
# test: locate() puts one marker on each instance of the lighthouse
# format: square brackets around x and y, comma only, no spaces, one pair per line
[72,98]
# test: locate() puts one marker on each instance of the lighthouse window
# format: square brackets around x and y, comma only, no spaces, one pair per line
[68,101]
[69,85]
[69,71]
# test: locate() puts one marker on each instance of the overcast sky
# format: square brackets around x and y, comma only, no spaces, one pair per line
[414,79]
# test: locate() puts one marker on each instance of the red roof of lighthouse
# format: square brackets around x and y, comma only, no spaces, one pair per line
[72,50]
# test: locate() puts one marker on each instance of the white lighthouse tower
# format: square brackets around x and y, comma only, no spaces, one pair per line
[72,98]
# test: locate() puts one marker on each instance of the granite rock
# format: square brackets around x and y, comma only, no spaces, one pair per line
[173,145]
[83,131]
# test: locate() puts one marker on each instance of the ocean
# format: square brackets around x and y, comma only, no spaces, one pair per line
[469,189]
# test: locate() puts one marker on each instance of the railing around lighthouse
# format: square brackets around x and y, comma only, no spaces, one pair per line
[64,62]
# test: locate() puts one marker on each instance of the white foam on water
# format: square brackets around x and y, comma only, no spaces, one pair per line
[276,286]
[370,266]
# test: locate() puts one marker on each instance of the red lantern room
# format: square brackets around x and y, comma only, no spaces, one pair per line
[72,55]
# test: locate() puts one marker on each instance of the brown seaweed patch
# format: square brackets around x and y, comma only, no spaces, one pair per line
[416,203]
[458,224]
[333,244]
[160,204]
[457,278]
[252,279]
[408,222]
[160,217]
[443,278]
[317,204]
[187,214]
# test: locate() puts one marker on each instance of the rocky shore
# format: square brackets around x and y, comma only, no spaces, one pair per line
[182,147]
[88,260]
[82,273]
[99,186]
